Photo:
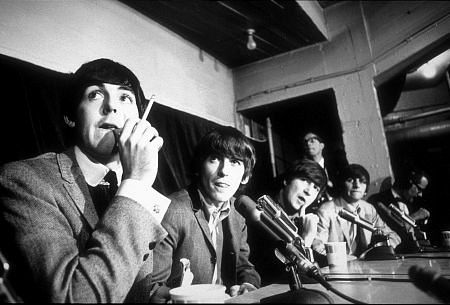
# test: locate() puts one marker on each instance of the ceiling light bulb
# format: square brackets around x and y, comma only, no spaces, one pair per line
[251,44]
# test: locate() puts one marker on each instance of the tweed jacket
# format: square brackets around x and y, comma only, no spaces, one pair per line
[189,237]
[332,227]
[59,249]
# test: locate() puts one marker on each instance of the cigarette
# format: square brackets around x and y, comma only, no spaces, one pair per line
[149,106]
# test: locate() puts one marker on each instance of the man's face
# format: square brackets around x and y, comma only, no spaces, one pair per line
[102,109]
[416,189]
[220,178]
[313,147]
[354,189]
[300,193]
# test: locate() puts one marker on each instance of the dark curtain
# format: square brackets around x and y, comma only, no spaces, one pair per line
[32,124]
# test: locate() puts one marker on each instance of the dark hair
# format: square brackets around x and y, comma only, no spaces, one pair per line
[227,142]
[96,72]
[409,176]
[309,170]
[354,171]
[317,135]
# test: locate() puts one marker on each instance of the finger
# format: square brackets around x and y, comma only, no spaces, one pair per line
[127,129]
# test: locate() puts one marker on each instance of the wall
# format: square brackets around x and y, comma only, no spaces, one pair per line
[367,39]
[62,35]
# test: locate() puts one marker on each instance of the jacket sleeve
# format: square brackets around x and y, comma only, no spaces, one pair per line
[246,272]
[379,223]
[323,229]
[58,257]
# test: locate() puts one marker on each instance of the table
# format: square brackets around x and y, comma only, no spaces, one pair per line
[390,269]
[383,281]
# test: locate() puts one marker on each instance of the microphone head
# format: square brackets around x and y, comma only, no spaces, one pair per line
[247,208]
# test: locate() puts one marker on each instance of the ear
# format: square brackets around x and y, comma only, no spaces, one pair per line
[245,180]
[68,122]
[322,145]
[284,182]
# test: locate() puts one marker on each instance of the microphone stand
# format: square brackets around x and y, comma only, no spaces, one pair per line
[379,247]
[297,293]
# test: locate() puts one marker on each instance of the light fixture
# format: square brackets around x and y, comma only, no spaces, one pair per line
[251,44]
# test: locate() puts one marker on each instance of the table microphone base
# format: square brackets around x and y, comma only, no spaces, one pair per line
[379,253]
[300,296]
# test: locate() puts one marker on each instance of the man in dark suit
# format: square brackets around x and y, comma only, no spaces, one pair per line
[65,239]
[404,195]
[314,146]
[202,223]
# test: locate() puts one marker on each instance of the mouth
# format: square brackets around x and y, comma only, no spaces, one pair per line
[301,199]
[108,126]
[221,184]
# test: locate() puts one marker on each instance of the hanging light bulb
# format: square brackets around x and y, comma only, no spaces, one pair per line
[251,44]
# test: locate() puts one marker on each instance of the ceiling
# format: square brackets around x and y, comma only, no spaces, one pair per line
[220,27]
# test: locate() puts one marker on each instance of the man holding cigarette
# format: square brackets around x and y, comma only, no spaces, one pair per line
[80,226]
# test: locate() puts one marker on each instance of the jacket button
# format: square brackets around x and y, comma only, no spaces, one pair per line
[152,245]
[213,260]
[145,256]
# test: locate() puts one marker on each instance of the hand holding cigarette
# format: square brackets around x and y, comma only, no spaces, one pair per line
[139,144]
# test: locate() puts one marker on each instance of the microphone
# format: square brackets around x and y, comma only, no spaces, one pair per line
[354,218]
[396,211]
[431,282]
[248,208]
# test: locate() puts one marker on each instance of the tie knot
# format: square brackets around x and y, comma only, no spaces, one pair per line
[111,178]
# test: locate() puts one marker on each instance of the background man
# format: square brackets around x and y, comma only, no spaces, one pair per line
[405,194]
[67,231]
[203,224]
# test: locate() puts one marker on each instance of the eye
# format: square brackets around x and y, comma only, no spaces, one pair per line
[95,95]
[236,161]
[127,98]
[349,180]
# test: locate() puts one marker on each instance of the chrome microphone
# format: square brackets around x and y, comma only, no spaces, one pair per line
[396,211]
[276,212]
[354,218]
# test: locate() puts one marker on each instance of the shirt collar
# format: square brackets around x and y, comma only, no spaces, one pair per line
[211,208]
[322,162]
[351,207]
[94,172]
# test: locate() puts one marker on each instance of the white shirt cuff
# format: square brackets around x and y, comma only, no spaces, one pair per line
[153,201]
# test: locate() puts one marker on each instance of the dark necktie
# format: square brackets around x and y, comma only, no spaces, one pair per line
[356,245]
[103,193]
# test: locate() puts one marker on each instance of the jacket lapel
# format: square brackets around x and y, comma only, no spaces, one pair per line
[76,186]
[343,224]
[200,215]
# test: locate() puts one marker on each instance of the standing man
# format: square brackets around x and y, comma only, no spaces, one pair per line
[203,224]
[314,146]
[69,234]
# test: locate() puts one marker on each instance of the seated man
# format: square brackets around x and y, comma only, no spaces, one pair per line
[404,194]
[203,224]
[353,187]
[301,186]
[68,235]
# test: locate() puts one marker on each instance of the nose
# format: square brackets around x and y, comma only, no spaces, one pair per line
[224,167]
[308,188]
[109,105]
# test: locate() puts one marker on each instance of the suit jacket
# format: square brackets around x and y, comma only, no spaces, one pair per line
[386,198]
[332,227]
[59,249]
[189,237]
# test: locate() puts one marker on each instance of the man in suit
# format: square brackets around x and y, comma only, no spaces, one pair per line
[353,187]
[404,194]
[314,146]
[203,224]
[300,187]
[68,234]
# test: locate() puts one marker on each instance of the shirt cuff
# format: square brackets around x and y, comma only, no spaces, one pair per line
[148,197]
